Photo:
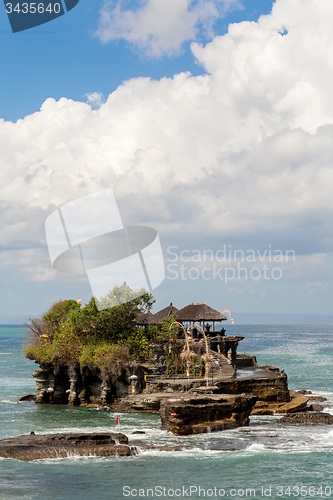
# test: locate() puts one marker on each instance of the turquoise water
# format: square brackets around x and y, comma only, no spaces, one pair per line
[231,464]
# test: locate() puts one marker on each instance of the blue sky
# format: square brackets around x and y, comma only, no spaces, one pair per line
[211,120]
[65,58]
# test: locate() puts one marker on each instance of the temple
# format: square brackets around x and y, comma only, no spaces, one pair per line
[199,341]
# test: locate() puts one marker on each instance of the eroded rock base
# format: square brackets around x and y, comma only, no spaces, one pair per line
[34,447]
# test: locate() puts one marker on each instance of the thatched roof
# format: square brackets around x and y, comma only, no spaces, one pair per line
[166,312]
[199,312]
[146,319]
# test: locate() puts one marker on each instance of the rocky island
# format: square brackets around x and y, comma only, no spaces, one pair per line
[173,363]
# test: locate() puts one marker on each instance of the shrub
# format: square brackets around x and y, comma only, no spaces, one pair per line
[70,334]
[66,344]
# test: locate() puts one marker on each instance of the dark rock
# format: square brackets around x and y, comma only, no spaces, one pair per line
[307,418]
[74,385]
[295,405]
[138,432]
[102,409]
[273,388]
[33,447]
[294,394]
[208,413]
[28,397]
[148,403]
[143,446]
[302,392]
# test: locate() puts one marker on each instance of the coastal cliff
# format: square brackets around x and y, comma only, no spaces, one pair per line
[75,385]
[92,357]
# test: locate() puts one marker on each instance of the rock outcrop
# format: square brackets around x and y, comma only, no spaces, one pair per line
[34,447]
[27,397]
[298,403]
[146,403]
[270,387]
[74,385]
[294,394]
[208,413]
[307,418]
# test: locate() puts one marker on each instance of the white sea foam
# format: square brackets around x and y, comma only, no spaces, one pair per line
[192,453]
[328,409]
[72,458]
[256,448]
[330,435]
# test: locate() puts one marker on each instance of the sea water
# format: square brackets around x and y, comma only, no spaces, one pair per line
[264,460]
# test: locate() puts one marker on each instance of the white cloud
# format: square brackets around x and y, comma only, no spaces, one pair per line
[33,264]
[244,150]
[159,27]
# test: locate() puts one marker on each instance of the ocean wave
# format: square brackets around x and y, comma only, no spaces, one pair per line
[72,458]
[192,453]
[256,448]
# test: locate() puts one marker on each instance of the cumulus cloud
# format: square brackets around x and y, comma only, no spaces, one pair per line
[159,27]
[240,152]
[31,263]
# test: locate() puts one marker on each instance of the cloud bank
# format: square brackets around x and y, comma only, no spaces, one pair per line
[244,150]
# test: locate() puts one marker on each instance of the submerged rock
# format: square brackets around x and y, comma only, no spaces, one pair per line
[27,397]
[317,408]
[34,447]
[307,418]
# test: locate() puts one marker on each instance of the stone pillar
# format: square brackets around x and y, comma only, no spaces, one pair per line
[105,391]
[224,348]
[234,353]
[50,387]
[73,382]
[41,384]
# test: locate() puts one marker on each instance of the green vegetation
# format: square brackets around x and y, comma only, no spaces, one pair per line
[71,334]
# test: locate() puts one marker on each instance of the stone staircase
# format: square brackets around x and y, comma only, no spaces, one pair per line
[221,366]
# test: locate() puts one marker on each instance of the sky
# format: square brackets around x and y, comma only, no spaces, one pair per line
[211,120]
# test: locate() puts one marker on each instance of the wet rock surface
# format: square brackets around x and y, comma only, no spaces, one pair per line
[33,447]
[205,413]
[307,418]
[27,397]
[302,392]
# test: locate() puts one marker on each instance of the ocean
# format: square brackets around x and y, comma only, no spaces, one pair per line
[266,459]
